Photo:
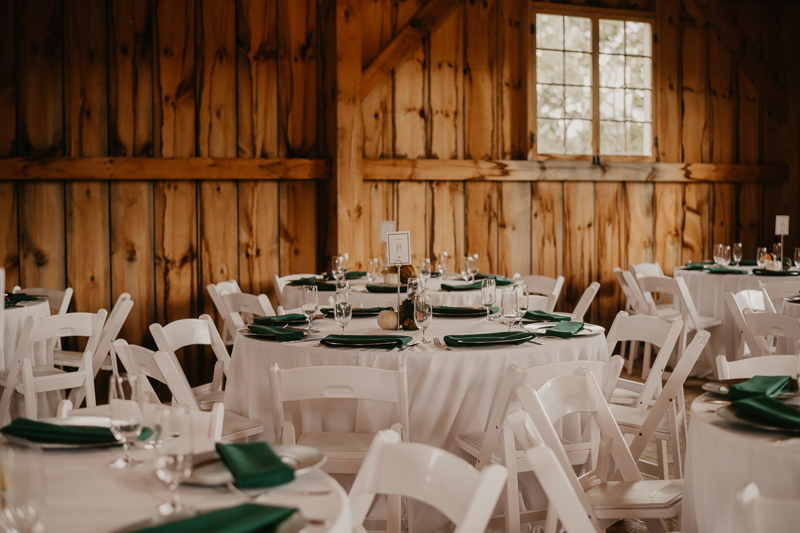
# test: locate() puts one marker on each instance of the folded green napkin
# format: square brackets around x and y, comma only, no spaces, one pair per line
[721,270]
[436,274]
[245,518]
[488,339]
[545,316]
[461,311]
[565,329]
[304,281]
[746,262]
[349,275]
[386,288]
[758,386]
[357,311]
[255,465]
[696,266]
[280,334]
[327,287]
[280,320]
[374,341]
[770,410]
[468,287]
[8,303]
[20,297]
[765,272]
[45,433]
[499,280]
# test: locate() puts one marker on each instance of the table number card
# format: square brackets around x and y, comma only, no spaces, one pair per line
[399,246]
[782,225]
[387,226]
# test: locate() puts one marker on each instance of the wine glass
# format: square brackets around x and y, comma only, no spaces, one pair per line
[522,301]
[425,269]
[125,399]
[474,268]
[441,264]
[508,307]
[336,268]
[174,452]
[310,304]
[737,252]
[423,313]
[488,295]
[343,285]
[718,250]
[726,256]
[760,259]
[343,259]
[342,310]
[777,251]
[797,257]
[23,491]
[373,269]
[465,267]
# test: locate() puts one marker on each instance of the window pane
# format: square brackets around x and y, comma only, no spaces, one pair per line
[612,71]
[578,34]
[549,31]
[612,37]
[550,100]
[638,104]
[578,68]
[549,67]
[550,136]
[637,72]
[612,104]
[639,139]
[579,137]
[578,102]
[637,38]
[612,138]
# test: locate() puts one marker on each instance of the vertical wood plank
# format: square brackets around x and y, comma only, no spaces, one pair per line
[722,84]
[724,214]
[668,215]
[512,56]
[219,254]
[480,103]
[610,220]
[579,240]
[695,128]
[668,95]
[695,223]
[639,223]
[8,83]
[380,197]
[776,135]
[447,220]
[42,239]
[547,233]
[298,227]
[413,214]
[88,258]
[376,31]
[447,88]
[514,228]
[409,107]
[9,233]
[481,225]
[259,237]
[750,221]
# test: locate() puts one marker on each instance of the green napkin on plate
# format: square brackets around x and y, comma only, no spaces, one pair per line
[468,287]
[544,316]
[349,275]
[279,334]
[758,386]
[280,320]
[721,270]
[565,329]
[746,262]
[499,280]
[765,272]
[20,297]
[386,288]
[245,518]
[327,287]
[436,274]
[461,311]
[255,465]
[304,281]
[363,341]
[770,411]
[697,266]
[46,433]
[488,339]
[357,311]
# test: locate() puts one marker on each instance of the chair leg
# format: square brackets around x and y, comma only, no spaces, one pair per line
[31,403]
[663,459]
[551,524]
[648,349]
[392,513]
[512,483]
[87,369]
[712,360]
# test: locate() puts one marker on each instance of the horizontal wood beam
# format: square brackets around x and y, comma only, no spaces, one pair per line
[163,168]
[405,42]
[472,170]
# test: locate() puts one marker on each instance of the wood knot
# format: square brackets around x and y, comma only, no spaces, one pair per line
[40,258]
[415,23]
[131,255]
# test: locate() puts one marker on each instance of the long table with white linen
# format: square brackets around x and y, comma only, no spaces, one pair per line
[721,458]
[13,320]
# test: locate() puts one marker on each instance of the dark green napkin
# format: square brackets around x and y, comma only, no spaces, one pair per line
[544,316]
[245,518]
[386,288]
[565,329]
[8,303]
[758,386]
[280,320]
[374,341]
[304,281]
[468,287]
[280,334]
[358,311]
[769,410]
[499,280]
[746,262]
[722,270]
[436,274]
[255,465]
[765,272]
[703,262]
[327,287]
[461,311]
[20,297]
[488,339]
[349,275]
[45,433]
[696,266]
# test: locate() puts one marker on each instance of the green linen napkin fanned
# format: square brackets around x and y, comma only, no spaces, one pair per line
[255,465]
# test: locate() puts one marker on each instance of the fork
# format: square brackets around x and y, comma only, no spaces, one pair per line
[439,344]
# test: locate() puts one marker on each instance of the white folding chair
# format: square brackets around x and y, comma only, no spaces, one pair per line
[234,426]
[548,287]
[427,474]
[216,290]
[2,316]
[196,332]
[755,300]
[778,290]
[242,307]
[138,361]
[344,451]
[29,380]
[766,327]
[627,496]
[586,300]
[763,514]
[645,303]
[282,282]
[766,365]
[646,269]
[58,300]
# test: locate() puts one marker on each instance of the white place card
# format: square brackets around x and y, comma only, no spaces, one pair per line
[387,226]
[782,225]
[399,247]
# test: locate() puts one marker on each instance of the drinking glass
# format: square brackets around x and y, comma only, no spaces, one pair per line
[441,264]
[737,252]
[777,251]
[797,257]
[343,259]
[174,452]
[125,398]
[423,313]
[373,269]
[23,492]
[310,304]
[343,285]
[336,268]
[726,256]
[522,301]
[488,295]
[425,269]
[473,267]
[465,267]
[508,307]
[342,310]
[718,250]
[760,253]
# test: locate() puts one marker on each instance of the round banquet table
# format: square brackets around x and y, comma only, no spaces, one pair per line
[13,320]
[791,307]
[708,292]
[85,495]
[721,458]
[450,392]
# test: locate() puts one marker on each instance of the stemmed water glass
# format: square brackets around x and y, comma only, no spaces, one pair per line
[737,252]
[336,268]
[343,262]
[465,267]
[342,310]
[508,307]
[23,491]
[423,313]
[777,251]
[174,452]
[521,290]
[425,270]
[488,296]
[441,264]
[722,255]
[343,285]
[760,253]
[797,257]
[125,398]
[310,304]
[373,268]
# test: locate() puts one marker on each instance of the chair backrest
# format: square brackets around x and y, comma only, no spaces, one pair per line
[216,291]
[176,380]
[586,300]
[241,307]
[282,282]
[430,475]
[763,325]
[351,382]
[544,285]
[2,311]
[51,328]
[630,300]
[680,293]
[641,304]
[766,365]
[763,514]
[193,331]
[116,319]
[139,361]
[778,290]
[646,269]
[58,300]
[747,299]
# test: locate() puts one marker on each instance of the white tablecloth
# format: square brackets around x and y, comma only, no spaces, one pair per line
[722,458]
[13,320]
[85,495]
[785,345]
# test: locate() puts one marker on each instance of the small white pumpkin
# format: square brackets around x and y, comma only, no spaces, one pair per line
[387,319]
[390,278]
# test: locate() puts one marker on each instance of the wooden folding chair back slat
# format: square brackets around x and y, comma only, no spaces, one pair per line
[766,365]
[585,301]
[242,307]
[755,300]
[775,325]
[139,361]
[57,299]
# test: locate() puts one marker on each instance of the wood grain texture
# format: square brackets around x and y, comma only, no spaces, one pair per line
[668,217]
[514,228]
[447,220]
[409,107]
[750,220]
[447,89]
[42,239]
[380,199]
[547,229]
[259,237]
[8,82]
[667,80]
[695,235]
[722,85]
[9,233]
[695,131]
[88,257]
[413,209]
[639,223]
[723,221]
[298,227]
[580,250]
[481,225]
[480,70]
[512,90]
[219,254]
[611,241]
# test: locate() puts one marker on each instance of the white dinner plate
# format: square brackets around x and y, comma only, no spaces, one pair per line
[588,330]
[80,421]
[210,471]
[722,387]
[728,413]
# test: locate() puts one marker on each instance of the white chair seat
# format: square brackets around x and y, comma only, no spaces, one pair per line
[667,312]
[233,424]
[609,498]
[38,372]
[631,420]
[710,321]
[73,359]
[207,400]
[338,442]
[471,442]
[624,396]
